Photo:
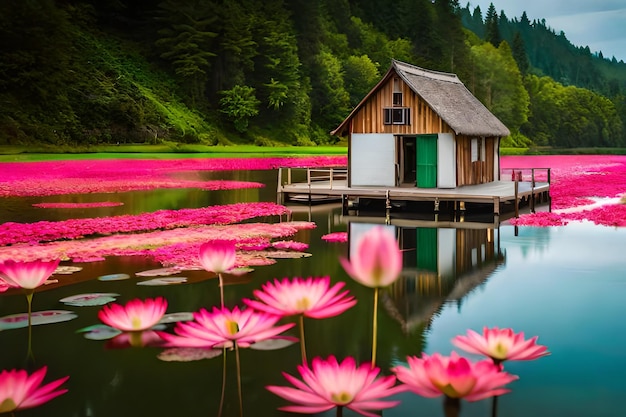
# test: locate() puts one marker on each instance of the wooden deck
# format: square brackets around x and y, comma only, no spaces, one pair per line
[332,183]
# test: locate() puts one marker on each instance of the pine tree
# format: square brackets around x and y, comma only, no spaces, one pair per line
[186,42]
[492,26]
[519,53]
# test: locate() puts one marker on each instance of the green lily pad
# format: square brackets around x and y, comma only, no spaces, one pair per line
[160,272]
[163,281]
[17,321]
[287,255]
[272,344]
[99,332]
[239,271]
[175,317]
[92,299]
[114,277]
[66,270]
[188,354]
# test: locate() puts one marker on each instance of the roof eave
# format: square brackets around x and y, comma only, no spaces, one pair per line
[344,124]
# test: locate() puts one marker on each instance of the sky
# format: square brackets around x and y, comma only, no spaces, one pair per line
[599,24]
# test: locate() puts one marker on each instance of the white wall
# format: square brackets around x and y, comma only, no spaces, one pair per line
[496,162]
[373,159]
[446,252]
[357,230]
[446,161]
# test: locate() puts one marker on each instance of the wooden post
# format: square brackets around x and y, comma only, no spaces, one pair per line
[279,187]
[548,195]
[532,191]
[516,199]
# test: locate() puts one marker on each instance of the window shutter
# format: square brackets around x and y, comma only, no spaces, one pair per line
[387,116]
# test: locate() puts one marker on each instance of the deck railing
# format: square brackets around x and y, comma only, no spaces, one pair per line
[532,175]
[536,175]
[313,175]
[326,174]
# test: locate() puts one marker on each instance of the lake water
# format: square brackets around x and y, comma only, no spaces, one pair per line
[567,285]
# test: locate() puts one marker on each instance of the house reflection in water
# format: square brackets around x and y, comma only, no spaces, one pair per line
[441,265]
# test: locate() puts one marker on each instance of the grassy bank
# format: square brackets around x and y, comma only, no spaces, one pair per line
[14,153]
[173,150]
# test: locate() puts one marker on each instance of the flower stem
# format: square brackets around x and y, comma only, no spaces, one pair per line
[239,380]
[451,407]
[302,345]
[375,328]
[219,412]
[494,406]
[29,299]
[339,411]
[219,275]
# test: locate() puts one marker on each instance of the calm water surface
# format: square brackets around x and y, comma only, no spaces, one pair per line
[567,285]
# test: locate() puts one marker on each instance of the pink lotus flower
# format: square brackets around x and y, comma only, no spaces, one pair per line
[222,328]
[501,345]
[313,297]
[135,316]
[27,275]
[217,255]
[453,376]
[377,260]
[146,338]
[328,384]
[19,391]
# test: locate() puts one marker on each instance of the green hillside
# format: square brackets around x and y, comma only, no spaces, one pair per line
[281,72]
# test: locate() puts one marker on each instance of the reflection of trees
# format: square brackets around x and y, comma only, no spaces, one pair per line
[531,239]
[440,266]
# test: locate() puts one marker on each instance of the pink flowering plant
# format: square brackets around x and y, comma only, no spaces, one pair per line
[329,384]
[376,262]
[226,328]
[453,376]
[19,390]
[311,297]
[136,316]
[501,345]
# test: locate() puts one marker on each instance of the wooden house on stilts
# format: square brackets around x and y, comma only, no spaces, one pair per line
[421,128]
[420,135]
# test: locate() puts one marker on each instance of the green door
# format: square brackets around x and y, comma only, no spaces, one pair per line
[426,161]
[427,248]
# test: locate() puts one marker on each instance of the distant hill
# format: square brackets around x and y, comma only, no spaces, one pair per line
[552,54]
[282,72]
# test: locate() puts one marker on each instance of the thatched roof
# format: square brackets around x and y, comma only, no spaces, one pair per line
[447,96]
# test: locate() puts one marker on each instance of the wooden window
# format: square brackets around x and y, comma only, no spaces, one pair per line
[397,116]
[397,99]
[477,149]
[397,93]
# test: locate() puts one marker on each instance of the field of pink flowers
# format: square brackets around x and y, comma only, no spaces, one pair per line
[583,188]
[166,236]
[110,176]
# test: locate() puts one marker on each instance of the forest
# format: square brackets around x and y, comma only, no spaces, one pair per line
[283,72]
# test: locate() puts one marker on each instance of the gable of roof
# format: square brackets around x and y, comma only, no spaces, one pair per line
[447,96]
